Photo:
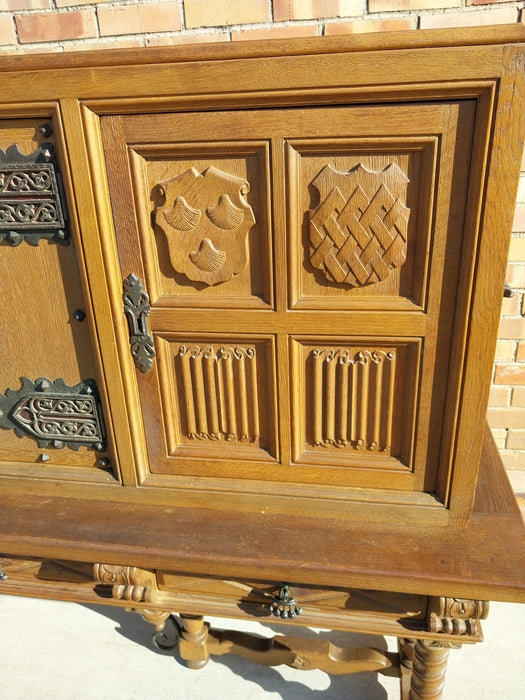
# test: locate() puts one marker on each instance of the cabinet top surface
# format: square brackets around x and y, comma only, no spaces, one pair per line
[421,39]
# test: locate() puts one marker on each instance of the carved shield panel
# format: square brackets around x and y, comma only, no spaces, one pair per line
[206,219]
[358,233]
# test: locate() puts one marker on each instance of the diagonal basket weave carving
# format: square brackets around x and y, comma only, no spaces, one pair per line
[358,233]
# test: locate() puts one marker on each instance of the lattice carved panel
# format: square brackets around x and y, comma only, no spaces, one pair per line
[358,233]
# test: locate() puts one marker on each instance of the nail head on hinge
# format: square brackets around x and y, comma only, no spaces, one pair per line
[46,130]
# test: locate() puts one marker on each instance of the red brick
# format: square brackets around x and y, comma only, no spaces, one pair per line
[517,248]
[139,19]
[315,9]
[516,275]
[7,31]
[506,417]
[518,225]
[219,13]
[502,15]
[97,45]
[505,350]
[405,5]
[510,374]
[21,5]
[56,26]
[390,24]
[177,39]
[73,3]
[275,32]
[512,329]
[516,441]
[515,461]
[518,396]
[500,437]
[499,396]
[517,474]
[511,306]
[521,190]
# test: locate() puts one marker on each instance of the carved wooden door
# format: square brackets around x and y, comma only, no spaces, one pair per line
[49,398]
[304,270]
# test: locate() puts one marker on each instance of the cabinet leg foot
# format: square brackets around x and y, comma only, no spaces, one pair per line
[193,647]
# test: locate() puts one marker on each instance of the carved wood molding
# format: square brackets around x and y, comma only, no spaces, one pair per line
[458,616]
[128,582]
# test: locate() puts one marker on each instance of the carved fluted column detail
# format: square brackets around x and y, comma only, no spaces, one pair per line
[428,670]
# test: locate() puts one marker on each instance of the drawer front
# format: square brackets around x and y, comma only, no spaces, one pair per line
[333,607]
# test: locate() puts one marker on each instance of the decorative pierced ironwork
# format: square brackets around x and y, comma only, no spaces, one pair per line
[32,204]
[54,413]
[284,605]
[137,308]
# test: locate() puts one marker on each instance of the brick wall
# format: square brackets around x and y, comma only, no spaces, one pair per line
[69,25]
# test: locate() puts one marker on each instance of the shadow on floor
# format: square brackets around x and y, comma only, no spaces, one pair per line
[359,685]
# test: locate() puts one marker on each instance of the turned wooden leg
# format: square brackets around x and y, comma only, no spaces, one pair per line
[406,664]
[428,670]
[193,646]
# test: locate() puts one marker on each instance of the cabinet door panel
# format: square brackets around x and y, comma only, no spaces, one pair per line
[303,269]
[47,350]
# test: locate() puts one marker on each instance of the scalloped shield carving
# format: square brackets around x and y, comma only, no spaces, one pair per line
[358,233]
[206,220]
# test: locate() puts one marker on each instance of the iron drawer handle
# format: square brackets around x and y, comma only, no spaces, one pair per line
[284,605]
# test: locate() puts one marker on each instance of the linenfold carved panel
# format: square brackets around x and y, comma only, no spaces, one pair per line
[220,392]
[218,395]
[344,383]
[358,233]
[355,402]
[206,220]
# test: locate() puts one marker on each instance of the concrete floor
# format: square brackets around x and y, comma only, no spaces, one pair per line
[63,651]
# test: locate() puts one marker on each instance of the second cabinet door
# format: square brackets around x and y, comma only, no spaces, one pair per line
[302,266]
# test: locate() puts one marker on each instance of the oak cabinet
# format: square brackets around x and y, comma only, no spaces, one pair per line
[256,289]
